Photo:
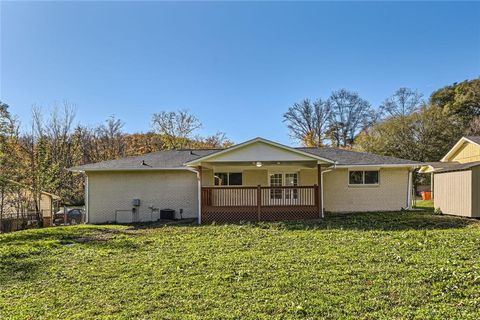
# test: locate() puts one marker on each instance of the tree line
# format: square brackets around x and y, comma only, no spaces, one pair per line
[405,125]
[38,158]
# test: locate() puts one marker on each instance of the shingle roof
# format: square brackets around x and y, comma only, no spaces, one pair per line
[440,164]
[459,167]
[167,159]
[349,157]
[475,139]
[175,159]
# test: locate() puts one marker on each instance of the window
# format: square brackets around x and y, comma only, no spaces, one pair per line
[371,177]
[228,179]
[276,180]
[363,177]
[283,179]
[291,180]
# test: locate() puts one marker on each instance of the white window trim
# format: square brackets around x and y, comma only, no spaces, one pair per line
[283,173]
[363,185]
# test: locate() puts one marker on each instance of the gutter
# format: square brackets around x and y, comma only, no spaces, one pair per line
[128,169]
[414,166]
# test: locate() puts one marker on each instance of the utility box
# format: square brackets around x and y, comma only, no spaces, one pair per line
[136,202]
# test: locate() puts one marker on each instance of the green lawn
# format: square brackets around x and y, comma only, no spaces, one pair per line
[424,204]
[370,266]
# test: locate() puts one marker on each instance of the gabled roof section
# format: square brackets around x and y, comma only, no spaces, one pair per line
[435,166]
[164,160]
[183,159]
[350,158]
[260,149]
[469,139]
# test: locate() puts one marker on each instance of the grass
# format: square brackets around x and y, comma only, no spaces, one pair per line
[400,265]
[424,204]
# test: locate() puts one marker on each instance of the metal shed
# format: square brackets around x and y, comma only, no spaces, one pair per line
[457,189]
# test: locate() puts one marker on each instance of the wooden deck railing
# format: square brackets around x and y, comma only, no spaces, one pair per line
[259,203]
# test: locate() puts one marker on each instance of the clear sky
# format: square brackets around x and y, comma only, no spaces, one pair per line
[237,66]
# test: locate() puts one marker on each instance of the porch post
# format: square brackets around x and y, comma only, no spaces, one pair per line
[259,202]
[320,187]
[200,193]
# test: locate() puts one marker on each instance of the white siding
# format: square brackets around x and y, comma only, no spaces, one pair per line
[453,192]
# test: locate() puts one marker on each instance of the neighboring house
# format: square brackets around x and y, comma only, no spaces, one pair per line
[255,180]
[17,204]
[456,179]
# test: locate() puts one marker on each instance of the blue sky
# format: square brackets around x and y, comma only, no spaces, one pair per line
[237,66]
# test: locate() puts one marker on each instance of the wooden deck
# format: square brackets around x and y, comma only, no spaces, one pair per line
[233,204]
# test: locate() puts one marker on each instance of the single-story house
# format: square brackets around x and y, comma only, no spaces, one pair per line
[456,179]
[254,180]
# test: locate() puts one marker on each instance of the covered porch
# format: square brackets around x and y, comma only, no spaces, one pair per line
[260,182]
[230,204]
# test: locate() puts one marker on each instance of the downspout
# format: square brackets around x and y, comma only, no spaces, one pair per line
[409,190]
[199,193]
[86,200]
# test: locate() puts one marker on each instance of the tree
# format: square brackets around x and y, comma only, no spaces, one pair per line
[217,140]
[110,139]
[425,135]
[350,114]
[308,122]
[474,128]
[460,99]
[175,127]
[9,160]
[402,103]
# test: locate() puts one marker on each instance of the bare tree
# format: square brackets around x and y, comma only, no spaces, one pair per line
[110,139]
[175,127]
[217,140]
[403,102]
[308,122]
[350,114]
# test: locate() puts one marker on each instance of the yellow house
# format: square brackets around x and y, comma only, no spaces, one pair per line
[456,179]
[17,204]
[255,180]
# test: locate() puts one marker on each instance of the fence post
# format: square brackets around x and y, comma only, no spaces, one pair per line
[259,202]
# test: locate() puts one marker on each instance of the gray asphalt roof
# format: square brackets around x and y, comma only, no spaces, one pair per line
[459,167]
[168,159]
[349,157]
[440,164]
[173,159]
[475,139]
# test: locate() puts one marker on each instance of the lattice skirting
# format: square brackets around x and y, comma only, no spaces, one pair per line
[267,213]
